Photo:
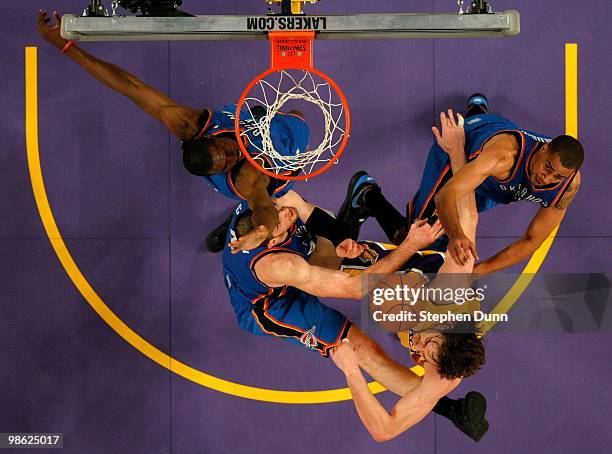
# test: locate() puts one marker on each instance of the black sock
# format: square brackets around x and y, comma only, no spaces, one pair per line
[323,224]
[474,109]
[443,407]
[389,219]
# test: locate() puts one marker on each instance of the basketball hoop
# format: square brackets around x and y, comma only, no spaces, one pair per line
[291,77]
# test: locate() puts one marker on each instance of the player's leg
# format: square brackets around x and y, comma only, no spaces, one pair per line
[364,198]
[319,222]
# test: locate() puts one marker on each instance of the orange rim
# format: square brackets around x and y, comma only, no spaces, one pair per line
[319,171]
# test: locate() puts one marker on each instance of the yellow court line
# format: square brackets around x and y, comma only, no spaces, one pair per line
[571,128]
[571,89]
[139,343]
[522,282]
[94,300]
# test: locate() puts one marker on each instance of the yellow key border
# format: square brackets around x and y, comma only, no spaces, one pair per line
[184,370]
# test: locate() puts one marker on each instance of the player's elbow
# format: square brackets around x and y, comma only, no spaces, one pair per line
[380,436]
[383,429]
[530,244]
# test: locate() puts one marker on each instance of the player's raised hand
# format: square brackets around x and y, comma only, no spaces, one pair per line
[452,137]
[249,241]
[50,29]
[421,234]
[462,249]
[349,249]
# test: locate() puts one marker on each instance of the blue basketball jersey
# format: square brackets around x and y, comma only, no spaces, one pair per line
[289,134]
[478,130]
[517,186]
[285,312]
[238,269]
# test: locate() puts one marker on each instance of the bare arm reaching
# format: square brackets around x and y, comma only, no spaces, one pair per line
[496,159]
[543,223]
[408,411]
[253,185]
[180,120]
[277,270]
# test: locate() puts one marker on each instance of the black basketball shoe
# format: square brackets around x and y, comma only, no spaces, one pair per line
[478,104]
[353,210]
[215,240]
[468,415]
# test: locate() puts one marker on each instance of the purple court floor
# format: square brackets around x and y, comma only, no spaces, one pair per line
[133,221]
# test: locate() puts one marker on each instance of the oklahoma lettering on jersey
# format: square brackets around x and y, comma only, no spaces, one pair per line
[518,185]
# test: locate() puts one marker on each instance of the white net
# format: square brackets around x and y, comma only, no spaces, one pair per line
[274,92]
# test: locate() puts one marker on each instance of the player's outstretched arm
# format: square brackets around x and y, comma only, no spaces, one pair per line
[541,226]
[453,274]
[408,411]
[180,120]
[277,270]
[495,159]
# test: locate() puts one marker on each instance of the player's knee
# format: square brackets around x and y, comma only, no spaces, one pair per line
[197,157]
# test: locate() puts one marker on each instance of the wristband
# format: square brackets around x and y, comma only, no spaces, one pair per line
[67,46]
